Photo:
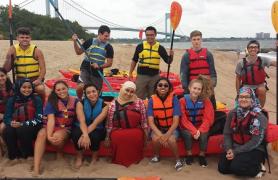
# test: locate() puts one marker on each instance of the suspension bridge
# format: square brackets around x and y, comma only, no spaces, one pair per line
[71,10]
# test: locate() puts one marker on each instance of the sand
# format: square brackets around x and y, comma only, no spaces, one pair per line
[60,55]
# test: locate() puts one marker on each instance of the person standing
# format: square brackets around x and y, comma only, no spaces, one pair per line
[27,59]
[101,55]
[197,61]
[148,55]
[250,71]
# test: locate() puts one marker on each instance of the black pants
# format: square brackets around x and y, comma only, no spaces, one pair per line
[243,164]
[95,136]
[19,141]
[213,101]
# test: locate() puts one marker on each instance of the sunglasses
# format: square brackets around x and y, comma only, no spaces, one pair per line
[163,85]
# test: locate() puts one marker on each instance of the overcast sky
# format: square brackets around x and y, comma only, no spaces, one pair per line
[215,18]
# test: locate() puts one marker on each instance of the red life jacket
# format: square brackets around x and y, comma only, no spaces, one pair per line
[198,63]
[253,74]
[24,111]
[194,111]
[163,112]
[66,114]
[126,116]
[4,96]
[241,133]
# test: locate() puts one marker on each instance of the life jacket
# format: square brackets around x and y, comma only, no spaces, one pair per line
[24,111]
[96,52]
[241,130]
[163,111]
[126,116]
[25,63]
[92,112]
[4,96]
[149,57]
[198,63]
[194,111]
[254,74]
[66,114]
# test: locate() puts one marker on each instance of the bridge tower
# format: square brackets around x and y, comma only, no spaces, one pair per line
[47,4]
[167,17]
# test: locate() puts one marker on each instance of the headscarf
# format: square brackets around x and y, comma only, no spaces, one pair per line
[255,107]
[122,99]
[19,97]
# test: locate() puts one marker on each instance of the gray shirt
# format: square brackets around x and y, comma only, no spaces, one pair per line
[254,143]
[266,62]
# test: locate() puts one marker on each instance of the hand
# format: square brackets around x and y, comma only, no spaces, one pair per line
[84,141]
[37,82]
[52,139]
[74,37]
[171,53]
[197,135]
[95,66]
[15,124]
[230,154]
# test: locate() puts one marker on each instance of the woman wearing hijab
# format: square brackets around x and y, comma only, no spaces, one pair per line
[244,135]
[126,126]
[23,119]
[89,130]
[163,117]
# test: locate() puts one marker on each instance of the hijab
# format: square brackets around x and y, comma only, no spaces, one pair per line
[255,107]
[122,98]
[19,97]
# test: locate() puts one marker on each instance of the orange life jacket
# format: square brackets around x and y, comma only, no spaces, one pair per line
[66,114]
[126,116]
[198,63]
[163,111]
[253,74]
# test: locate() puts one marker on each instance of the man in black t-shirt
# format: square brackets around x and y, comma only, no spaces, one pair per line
[101,55]
[148,55]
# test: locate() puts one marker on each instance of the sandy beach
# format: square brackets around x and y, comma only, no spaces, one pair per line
[60,55]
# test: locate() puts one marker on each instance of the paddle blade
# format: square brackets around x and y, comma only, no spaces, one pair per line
[175,14]
[10,9]
[274,15]
[141,34]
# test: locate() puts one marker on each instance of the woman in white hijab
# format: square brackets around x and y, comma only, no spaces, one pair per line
[126,126]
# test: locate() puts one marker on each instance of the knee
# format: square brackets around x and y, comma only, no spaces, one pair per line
[260,91]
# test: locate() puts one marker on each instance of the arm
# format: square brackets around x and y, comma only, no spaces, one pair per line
[227,132]
[238,83]
[168,59]
[39,56]
[258,133]
[100,118]
[238,71]
[208,117]
[50,125]
[77,49]
[109,56]
[185,122]
[9,112]
[184,72]
[109,122]
[37,120]
[9,59]
[81,119]
[212,70]
[132,67]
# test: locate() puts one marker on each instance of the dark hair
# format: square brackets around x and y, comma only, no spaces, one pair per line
[103,28]
[160,79]
[253,42]
[150,28]
[23,31]
[9,84]
[90,85]
[195,33]
[53,98]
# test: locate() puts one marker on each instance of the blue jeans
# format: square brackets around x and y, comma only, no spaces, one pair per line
[187,137]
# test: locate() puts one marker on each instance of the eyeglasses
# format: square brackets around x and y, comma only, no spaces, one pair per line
[244,97]
[163,85]
[253,47]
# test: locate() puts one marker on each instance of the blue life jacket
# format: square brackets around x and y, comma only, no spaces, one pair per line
[96,52]
[194,111]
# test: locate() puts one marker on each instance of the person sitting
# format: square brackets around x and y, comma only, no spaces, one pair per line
[6,91]
[197,117]
[126,126]
[244,135]
[23,120]
[90,130]
[61,113]
[163,117]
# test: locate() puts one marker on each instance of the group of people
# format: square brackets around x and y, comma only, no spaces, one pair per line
[130,121]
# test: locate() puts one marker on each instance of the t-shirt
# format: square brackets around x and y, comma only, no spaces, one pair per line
[176,107]
[145,70]
[86,65]
[49,109]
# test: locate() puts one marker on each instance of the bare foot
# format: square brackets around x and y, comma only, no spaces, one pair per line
[78,163]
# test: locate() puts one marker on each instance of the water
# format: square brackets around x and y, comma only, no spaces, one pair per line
[233,45]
